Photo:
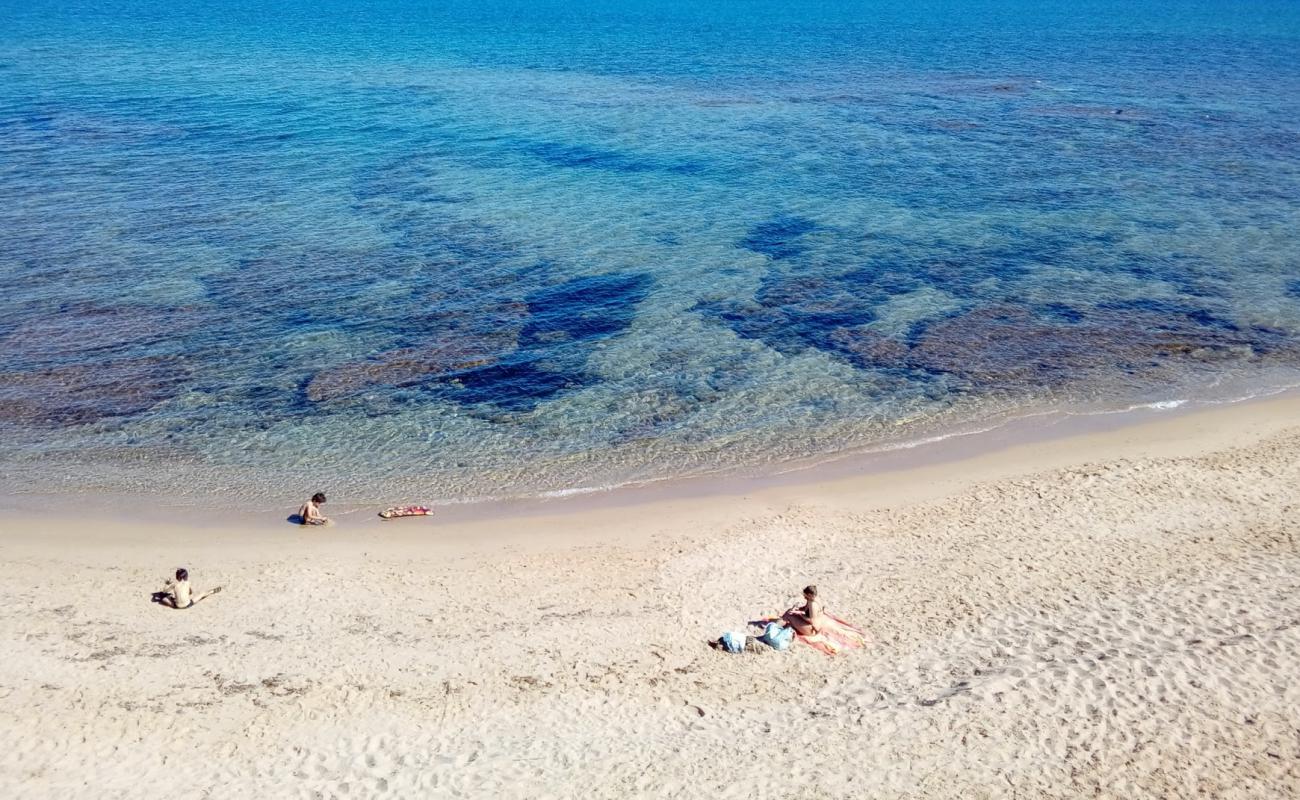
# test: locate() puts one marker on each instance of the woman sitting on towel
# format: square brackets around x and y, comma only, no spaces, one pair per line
[807,618]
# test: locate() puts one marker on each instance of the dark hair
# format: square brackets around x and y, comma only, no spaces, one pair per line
[182,574]
[811,591]
[318,498]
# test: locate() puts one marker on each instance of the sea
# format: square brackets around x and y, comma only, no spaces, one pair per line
[461,251]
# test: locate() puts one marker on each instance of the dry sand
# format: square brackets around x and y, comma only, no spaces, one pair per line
[1114,615]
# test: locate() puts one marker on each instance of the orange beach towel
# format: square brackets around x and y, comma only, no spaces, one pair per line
[834,637]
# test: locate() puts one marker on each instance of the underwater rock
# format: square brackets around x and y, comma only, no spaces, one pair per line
[512,354]
[867,348]
[79,394]
[564,324]
[584,309]
[408,366]
[492,326]
[83,328]
[1008,345]
[513,385]
[754,321]
[790,313]
[455,317]
[257,296]
[779,237]
[1002,345]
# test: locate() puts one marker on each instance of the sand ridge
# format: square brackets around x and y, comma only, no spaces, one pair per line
[1121,628]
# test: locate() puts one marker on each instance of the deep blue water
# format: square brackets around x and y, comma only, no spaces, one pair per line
[455,250]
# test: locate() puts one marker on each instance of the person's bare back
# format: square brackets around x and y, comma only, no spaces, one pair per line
[310,513]
[177,592]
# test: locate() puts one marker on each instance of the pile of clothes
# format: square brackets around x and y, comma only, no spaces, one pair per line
[774,635]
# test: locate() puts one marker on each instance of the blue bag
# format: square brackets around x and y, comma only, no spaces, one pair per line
[733,642]
[778,637]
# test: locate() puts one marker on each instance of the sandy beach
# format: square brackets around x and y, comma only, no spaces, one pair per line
[1113,614]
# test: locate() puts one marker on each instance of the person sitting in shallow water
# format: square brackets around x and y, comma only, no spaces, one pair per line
[178,594]
[310,514]
[808,618]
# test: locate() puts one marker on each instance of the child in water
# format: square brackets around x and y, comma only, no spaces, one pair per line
[310,514]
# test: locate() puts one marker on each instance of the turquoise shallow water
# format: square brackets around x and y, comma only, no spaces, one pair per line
[464,250]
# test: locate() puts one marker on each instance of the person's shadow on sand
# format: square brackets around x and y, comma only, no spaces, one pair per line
[296,519]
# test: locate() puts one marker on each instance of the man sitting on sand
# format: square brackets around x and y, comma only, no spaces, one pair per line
[177,593]
[808,618]
[310,512]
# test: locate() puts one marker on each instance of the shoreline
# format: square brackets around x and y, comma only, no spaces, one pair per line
[869,482]
[949,441]
[1029,431]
